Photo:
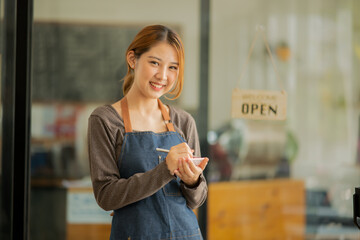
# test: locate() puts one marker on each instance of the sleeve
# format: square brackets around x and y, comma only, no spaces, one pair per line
[110,190]
[195,196]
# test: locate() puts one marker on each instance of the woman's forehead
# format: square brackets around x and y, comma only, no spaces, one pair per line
[163,51]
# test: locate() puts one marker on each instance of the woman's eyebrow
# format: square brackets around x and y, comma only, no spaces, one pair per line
[155,58]
[159,59]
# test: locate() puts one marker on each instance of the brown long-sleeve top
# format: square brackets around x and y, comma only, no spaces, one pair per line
[105,136]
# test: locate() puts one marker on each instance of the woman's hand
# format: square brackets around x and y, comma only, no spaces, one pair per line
[176,152]
[189,172]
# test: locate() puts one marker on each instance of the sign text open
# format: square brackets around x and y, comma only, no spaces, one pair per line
[259,104]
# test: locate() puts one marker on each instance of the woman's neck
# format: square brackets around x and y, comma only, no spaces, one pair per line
[145,114]
[142,105]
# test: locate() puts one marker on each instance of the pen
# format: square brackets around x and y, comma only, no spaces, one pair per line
[162,150]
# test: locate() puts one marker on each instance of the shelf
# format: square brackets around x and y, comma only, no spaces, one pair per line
[52,141]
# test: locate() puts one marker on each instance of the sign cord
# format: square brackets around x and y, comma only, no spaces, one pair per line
[258,30]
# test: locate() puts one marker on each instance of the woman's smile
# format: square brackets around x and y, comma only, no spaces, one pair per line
[156,86]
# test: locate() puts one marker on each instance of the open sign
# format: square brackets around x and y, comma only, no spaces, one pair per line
[259,104]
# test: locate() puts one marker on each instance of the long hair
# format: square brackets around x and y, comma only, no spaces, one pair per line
[147,38]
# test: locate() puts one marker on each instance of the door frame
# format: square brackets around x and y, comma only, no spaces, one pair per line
[16,115]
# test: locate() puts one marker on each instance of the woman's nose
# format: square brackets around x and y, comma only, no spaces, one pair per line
[162,73]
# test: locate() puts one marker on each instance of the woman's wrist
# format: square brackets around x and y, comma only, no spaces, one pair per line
[194,184]
[168,167]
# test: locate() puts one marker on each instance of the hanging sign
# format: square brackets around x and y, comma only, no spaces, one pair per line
[259,104]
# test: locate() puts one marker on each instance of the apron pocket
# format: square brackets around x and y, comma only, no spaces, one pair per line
[172,188]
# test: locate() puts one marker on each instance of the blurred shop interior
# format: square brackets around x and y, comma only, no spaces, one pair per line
[289,179]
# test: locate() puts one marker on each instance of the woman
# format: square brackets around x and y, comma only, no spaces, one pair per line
[151,192]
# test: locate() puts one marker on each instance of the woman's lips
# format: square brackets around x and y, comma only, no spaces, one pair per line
[156,86]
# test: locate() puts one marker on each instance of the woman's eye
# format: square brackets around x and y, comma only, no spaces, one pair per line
[155,63]
[174,67]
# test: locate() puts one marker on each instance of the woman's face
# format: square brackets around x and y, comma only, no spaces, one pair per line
[156,70]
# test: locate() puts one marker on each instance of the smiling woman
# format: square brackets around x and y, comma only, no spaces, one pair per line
[152,193]
[156,69]
[154,35]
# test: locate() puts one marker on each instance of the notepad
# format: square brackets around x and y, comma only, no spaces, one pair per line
[195,160]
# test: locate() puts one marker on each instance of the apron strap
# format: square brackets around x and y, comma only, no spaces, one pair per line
[126,115]
[166,117]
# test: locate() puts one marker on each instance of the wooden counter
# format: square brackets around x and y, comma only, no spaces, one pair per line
[269,209]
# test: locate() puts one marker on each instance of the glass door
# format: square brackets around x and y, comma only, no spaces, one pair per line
[78,63]
[290,179]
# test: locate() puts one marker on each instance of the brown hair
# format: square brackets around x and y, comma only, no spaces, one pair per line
[143,41]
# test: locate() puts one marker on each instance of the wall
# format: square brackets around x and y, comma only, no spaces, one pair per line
[184,14]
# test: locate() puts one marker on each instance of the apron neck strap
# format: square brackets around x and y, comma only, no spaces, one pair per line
[166,117]
[126,115]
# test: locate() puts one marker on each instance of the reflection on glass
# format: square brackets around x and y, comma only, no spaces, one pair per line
[77,65]
[315,45]
[76,68]
[245,150]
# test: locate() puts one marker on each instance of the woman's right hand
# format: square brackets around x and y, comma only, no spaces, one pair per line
[176,152]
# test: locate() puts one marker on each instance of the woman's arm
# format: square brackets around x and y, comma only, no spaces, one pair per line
[197,194]
[110,190]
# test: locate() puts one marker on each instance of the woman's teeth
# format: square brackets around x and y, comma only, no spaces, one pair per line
[156,85]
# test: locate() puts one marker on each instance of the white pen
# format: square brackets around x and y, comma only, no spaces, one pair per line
[162,150]
[195,160]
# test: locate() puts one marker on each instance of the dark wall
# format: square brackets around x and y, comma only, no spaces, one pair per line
[79,62]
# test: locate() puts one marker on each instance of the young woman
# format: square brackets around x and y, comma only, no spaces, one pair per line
[151,192]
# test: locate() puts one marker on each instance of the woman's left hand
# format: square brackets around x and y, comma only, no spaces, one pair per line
[189,172]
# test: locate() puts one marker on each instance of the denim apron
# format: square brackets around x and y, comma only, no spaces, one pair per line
[163,215]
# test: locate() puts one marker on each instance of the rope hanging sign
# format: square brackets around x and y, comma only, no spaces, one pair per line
[259,104]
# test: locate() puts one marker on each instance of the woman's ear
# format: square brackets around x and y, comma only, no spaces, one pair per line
[131,59]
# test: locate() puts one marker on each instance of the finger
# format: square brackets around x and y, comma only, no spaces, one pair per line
[180,148]
[187,169]
[203,163]
[181,165]
[177,173]
[183,146]
[181,171]
[186,154]
[190,151]
[183,149]
[187,148]
[192,166]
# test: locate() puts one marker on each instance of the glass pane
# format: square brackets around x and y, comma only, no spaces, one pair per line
[78,63]
[290,179]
